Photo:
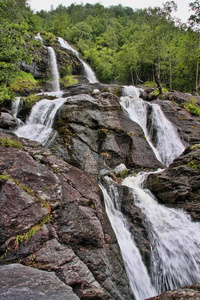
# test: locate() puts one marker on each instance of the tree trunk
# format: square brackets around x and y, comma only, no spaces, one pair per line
[197,70]
[157,75]
[170,74]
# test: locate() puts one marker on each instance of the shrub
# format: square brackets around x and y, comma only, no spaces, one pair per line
[192,107]
[151,84]
[22,81]
[156,92]
[7,142]
[31,100]
[68,80]
[5,94]
[48,37]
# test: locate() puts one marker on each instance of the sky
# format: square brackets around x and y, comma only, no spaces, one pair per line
[183,5]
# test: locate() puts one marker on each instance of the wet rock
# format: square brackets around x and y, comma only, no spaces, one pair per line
[52,217]
[179,185]
[40,66]
[7,121]
[188,292]
[95,133]
[188,125]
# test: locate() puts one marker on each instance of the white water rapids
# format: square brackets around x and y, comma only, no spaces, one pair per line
[54,70]
[175,240]
[87,70]
[38,126]
[160,133]
[139,279]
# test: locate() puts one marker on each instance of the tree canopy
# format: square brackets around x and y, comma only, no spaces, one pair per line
[122,45]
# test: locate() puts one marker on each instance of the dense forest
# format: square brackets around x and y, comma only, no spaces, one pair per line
[122,45]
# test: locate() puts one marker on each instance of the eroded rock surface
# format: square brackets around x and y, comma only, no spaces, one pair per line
[96,134]
[185,293]
[179,185]
[52,217]
[18,282]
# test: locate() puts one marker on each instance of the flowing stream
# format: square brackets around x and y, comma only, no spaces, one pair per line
[54,70]
[175,240]
[16,106]
[139,279]
[38,126]
[160,133]
[87,70]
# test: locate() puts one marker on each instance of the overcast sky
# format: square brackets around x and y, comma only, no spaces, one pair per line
[183,5]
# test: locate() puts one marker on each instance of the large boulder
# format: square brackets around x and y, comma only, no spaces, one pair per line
[95,133]
[172,105]
[52,217]
[179,185]
[18,282]
[188,292]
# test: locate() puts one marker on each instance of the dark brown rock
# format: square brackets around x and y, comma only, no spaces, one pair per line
[52,218]
[185,293]
[19,282]
[96,134]
[179,185]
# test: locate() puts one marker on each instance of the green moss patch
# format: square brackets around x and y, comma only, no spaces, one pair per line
[22,81]
[8,142]
[68,80]
[192,107]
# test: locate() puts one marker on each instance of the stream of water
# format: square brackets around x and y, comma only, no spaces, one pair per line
[87,70]
[160,133]
[38,126]
[175,239]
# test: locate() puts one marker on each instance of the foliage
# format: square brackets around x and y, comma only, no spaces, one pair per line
[21,81]
[31,100]
[192,107]
[156,92]
[48,37]
[68,80]
[194,164]
[5,93]
[121,44]
[8,142]
[151,84]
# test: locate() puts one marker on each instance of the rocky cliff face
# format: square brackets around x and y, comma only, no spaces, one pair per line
[53,218]
[95,133]
[53,227]
[179,185]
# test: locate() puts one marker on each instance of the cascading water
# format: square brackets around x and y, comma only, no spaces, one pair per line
[139,279]
[15,106]
[38,37]
[161,135]
[87,70]
[38,127]
[175,240]
[54,70]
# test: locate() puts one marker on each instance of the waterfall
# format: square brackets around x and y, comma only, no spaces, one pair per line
[38,37]
[38,127]
[175,240]
[87,70]
[15,106]
[139,279]
[54,70]
[160,133]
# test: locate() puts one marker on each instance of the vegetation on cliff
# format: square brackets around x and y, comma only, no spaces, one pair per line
[122,45]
